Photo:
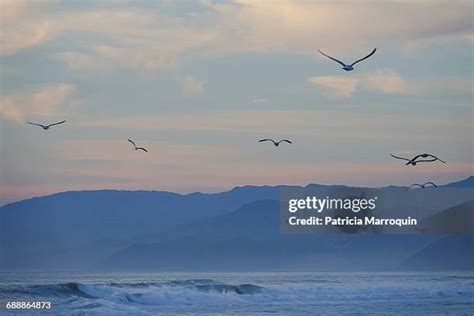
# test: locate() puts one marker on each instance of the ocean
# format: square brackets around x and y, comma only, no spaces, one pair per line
[430,293]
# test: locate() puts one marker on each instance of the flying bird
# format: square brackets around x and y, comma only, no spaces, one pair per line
[414,160]
[137,148]
[410,161]
[351,66]
[422,186]
[274,142]
[46,127]
[425,155]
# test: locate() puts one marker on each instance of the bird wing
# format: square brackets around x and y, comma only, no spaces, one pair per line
[427,160]
[399,157]
[416,157]
[336,60]
[131,141]
[364,57]
[265,140]
[56,123]
[286,140]
[429,182]
[436,158]
[141,148]
[415,185]
[36,124]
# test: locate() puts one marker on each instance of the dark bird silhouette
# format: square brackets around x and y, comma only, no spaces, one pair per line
[345,66]
[415,159]
[425,155]
[46,127]
[274,142]
[422,186]
[137,148]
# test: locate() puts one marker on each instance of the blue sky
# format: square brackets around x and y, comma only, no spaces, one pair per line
[199,82]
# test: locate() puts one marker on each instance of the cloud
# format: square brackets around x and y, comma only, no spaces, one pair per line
[78,61]
[13,10]
[383,80]
[132,36]
[25,36]
[302,26]
[21,28]
[470,38]
[320,124]
[192,86]
[47,101]
[132,39]
[336,86]
[450,83]
[106,57]
[387,81]
[261,101]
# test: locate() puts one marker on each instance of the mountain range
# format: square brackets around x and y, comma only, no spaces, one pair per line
[237,230]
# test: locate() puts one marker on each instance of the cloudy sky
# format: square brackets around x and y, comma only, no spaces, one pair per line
[199,82]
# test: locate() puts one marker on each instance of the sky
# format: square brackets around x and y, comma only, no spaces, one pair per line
[198,83]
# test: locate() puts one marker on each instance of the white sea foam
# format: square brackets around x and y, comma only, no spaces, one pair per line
[276,293]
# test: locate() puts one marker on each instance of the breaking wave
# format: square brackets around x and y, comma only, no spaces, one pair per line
[186,292]
[188,296]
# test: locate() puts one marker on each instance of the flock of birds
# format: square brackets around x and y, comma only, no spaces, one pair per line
[415,160]
[424,157]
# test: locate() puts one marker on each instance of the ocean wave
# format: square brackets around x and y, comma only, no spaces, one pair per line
[208,294]
[192,291]
[61,290]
